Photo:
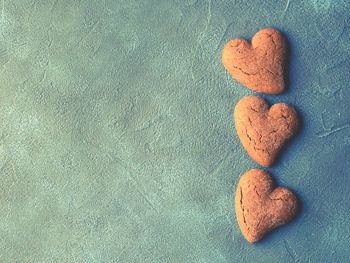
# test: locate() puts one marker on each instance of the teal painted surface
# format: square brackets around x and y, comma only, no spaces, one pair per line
[117,134]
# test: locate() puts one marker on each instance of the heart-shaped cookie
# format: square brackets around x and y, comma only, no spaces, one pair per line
[260,206]
[259,65]
[262,130]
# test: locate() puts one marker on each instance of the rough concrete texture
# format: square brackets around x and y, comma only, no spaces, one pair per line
[117,134]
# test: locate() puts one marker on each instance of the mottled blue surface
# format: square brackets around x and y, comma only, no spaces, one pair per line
[117,134]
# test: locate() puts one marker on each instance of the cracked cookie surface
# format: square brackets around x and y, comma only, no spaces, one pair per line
[264,131]
[261,206]
[259,65]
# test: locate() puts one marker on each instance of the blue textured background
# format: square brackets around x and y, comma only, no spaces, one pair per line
[117,136]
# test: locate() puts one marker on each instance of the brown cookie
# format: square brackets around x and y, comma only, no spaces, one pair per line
[263,131]
[258,65]
[261,206]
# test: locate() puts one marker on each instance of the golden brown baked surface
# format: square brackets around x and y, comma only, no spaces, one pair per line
[261,206]
[259,65]
[263,131]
